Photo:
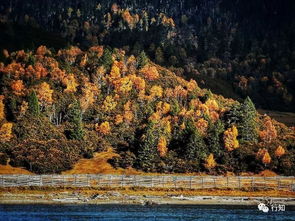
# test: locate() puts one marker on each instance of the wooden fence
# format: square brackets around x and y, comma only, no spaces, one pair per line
[169,181]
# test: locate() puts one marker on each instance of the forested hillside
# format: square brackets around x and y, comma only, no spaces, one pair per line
[235,48]
[57,107]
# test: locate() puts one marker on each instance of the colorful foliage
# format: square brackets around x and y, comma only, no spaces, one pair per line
[210,162]
[230,138]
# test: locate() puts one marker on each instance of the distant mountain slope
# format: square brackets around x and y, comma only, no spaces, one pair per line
[248,44]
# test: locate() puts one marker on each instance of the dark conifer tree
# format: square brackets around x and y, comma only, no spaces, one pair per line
[215,132]
[147,154]
[196,147]
[142,59]
[33,103]
[75,118]
[248,123]
[106,59]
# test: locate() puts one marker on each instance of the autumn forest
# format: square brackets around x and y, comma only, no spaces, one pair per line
[170,91]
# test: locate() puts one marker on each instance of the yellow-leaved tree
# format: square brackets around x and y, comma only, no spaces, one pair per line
[104,128]
[44,94]
[115,73]
[6,132]
[90,92]
[162,146]
[2,107]
[128,114]
[156,91]
[230,138]
[109,104]
[123,85]
[71,84]
[210,162]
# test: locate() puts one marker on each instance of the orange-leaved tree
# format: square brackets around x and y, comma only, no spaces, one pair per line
[266,159]
[150,72]
[202,126]
[269,133]
[18,87]
[118,119]
[280,151]
[263,155]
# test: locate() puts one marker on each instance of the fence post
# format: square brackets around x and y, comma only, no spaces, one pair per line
[122,180]
[239,180]
[202,182]
[214,180]
[279,183]
[174,181]
[163,181]
[227,182]
[190,182]
[110,180]
[134,183]
[252,183]
[152,182]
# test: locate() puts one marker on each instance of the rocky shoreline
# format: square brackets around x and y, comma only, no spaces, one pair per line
[113,197]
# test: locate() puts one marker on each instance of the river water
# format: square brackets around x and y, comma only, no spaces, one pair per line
[135,212]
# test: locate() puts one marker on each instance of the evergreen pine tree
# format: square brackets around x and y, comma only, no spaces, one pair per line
[142,60]
[248,123]
[233,116]
[196,147]
[147,154]
[215,132]
[106,59]
[75,118]
[33,103]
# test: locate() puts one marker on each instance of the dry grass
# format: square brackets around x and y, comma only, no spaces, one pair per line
[7,169]
[99,165]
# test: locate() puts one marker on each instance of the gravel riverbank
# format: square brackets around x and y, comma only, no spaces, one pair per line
[114,197]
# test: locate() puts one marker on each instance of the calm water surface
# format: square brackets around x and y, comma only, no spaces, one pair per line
[134,212]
